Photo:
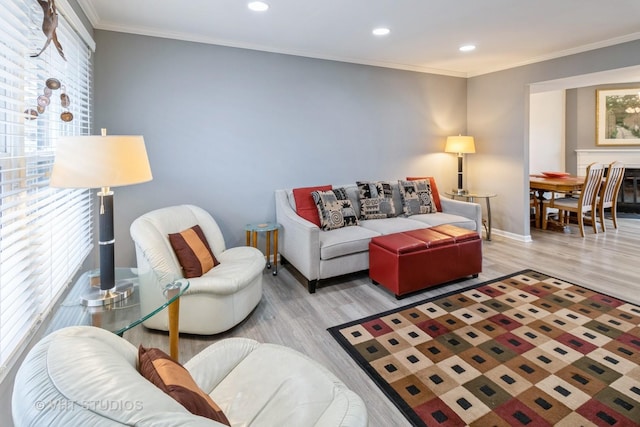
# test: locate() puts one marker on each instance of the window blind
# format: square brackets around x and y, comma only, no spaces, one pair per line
[45,233]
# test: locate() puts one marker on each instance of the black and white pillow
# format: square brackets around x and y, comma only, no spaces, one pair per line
[376,199]
[334,209]
[417,197]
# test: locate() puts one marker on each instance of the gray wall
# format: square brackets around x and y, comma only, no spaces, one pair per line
[225,127]
[498,118]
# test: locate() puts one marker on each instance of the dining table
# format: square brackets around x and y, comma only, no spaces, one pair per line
[541,184]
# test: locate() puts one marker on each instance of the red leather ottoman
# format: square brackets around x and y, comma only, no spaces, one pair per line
[419,259]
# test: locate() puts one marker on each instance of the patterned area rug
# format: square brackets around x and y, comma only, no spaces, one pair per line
[522,350]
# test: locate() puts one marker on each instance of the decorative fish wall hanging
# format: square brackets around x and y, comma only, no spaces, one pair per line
[49,25]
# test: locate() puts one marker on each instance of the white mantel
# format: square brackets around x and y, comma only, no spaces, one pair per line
[630,158]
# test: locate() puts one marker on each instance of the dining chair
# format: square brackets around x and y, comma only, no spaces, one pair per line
[534,208]
[586,202]
[608,197]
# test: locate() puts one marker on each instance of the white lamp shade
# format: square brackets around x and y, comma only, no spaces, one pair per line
[460,144]
[100,161]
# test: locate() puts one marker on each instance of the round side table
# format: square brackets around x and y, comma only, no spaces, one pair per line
[470,197]
[252,231]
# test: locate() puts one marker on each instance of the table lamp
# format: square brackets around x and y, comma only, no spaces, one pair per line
[102,162]
[460,144]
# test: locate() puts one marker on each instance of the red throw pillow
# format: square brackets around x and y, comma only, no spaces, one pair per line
[305,205]
[434,189]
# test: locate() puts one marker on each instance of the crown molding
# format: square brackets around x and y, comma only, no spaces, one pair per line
[99,24]
[271,49]
[90,12]
[567,52]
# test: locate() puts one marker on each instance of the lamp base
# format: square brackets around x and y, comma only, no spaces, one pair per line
[97,297]
[459,191]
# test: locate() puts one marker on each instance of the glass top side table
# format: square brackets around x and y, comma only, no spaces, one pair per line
[252,231]
[120,316]
[470,197]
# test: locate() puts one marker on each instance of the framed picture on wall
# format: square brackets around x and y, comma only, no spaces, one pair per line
[618,116]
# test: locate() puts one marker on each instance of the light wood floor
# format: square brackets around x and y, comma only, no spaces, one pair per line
[288,315]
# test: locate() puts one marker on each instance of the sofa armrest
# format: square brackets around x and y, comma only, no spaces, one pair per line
[300,239]
[473,211]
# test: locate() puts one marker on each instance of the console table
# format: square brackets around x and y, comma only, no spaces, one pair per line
[123,315]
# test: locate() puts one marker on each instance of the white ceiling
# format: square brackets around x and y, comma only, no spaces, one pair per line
[425,34]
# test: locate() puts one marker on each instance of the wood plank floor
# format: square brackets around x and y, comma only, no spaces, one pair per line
[288,315]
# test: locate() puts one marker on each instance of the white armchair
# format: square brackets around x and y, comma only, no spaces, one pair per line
[86,376]
[214,302]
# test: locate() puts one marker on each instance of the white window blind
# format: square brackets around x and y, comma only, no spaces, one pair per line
[45,233]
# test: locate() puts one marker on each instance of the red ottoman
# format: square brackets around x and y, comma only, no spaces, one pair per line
[419,259]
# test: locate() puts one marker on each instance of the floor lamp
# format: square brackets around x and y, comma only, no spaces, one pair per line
[102,162]
[460,145]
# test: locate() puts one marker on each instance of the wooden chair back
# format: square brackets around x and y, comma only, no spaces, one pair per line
[587,202]
[591,188]
[612,183]
[608,197]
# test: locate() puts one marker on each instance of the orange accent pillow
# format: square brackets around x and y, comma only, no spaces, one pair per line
[172,378]
[193,251]
[305,205]
[434,189]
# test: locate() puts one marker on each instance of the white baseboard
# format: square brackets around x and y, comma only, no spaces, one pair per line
[512,236]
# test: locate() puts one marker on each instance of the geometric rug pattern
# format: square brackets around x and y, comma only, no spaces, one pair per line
[522,350]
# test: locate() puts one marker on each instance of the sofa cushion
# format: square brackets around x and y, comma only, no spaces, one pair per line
[417,197]
[345,241]
[439,218]
[193,251]
[376,199]
[434,189]
[392,225]
[305,205]
[172,378]
[334,209]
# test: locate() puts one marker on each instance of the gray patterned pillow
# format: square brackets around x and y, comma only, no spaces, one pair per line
[376,199]
[417,197]
[334,209]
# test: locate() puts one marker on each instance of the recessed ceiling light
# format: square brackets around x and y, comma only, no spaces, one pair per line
[381,31]
[258,6]
[467,48]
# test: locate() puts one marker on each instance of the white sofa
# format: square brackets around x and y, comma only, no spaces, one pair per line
[86,376]
[214,302]
[318,254]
